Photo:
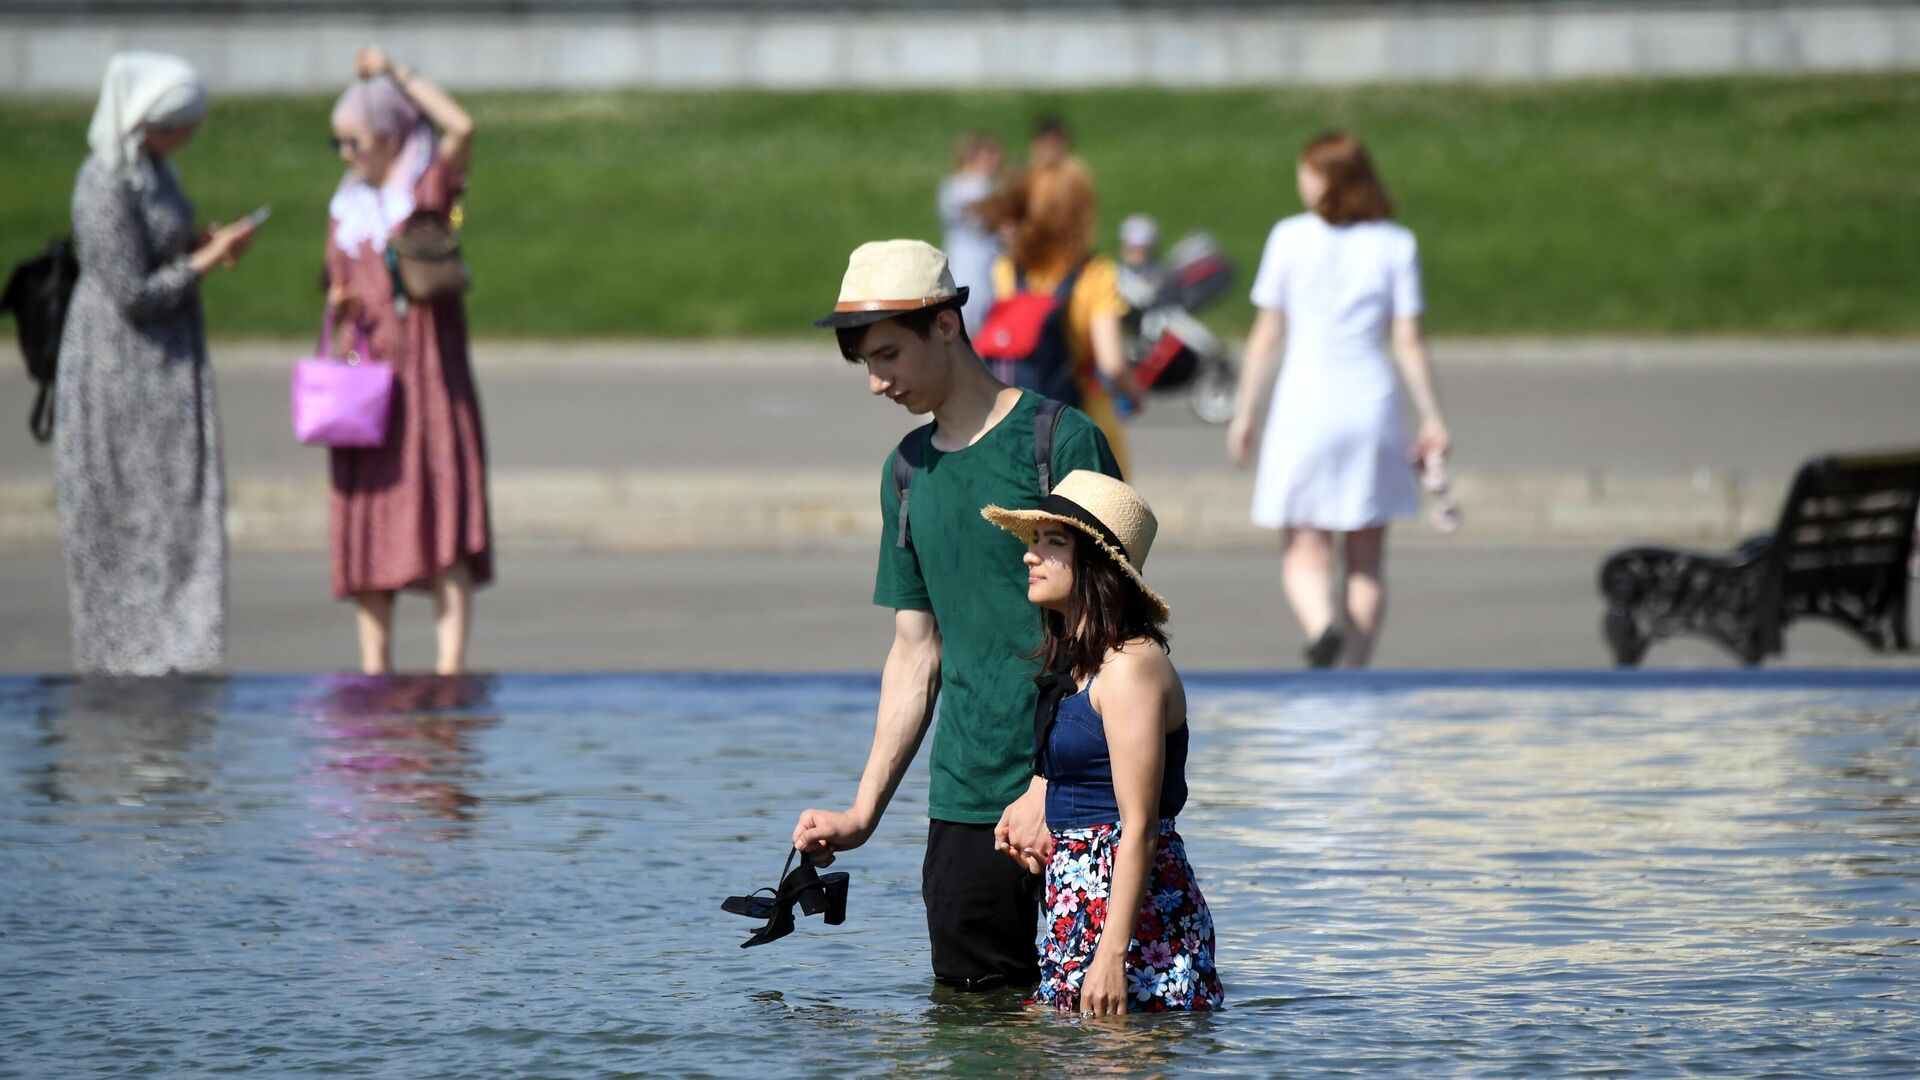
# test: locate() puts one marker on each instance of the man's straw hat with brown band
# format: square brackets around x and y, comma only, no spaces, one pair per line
[887,278]
[1114,515]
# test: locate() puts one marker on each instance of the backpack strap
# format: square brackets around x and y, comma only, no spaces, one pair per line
[1063,292]
[906,457]
[1046,419]
[41,421]
[11,295]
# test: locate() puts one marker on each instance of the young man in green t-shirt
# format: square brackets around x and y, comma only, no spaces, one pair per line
[963,631]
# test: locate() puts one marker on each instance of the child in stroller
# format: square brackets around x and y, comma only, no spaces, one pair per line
[1167,346]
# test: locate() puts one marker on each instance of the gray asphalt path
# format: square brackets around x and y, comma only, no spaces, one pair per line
[1578,408]
[1453,606]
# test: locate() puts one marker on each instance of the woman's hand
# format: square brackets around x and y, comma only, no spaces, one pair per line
[1241,440]
[238,237]
[1125,389]
[341,301]
[344,308]
[1022,832]
[222,246]
[372,62]
[1104,991]
[1433,439]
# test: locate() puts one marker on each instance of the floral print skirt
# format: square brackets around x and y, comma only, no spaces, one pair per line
[1170,962]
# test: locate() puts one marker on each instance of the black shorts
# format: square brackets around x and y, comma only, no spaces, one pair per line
[982,908]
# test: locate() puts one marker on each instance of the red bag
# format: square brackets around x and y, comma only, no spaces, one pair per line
[1013,326]
[1024,339]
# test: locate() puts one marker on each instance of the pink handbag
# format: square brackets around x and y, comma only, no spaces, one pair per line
[342,402]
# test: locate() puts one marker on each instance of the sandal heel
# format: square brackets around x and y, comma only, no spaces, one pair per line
[836,898]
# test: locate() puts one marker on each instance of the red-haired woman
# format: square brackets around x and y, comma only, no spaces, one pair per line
[1049,214]
[1340,283]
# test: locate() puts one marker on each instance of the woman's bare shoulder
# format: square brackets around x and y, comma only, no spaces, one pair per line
[1141,674]
[1143,662]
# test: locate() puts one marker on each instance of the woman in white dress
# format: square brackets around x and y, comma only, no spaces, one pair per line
[1338,284]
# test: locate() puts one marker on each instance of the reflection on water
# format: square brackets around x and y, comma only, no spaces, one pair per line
[1526,877]
[134,744]
[394,751]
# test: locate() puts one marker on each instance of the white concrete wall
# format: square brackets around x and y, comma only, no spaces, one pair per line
[1494,42]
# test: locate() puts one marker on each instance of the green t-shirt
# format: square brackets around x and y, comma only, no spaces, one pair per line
[967,571]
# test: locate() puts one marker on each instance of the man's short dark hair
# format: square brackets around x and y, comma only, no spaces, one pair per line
[918,323]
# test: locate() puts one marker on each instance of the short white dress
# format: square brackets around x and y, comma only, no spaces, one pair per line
[1334,455]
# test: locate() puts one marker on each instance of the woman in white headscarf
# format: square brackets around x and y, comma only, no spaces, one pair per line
[136,450]
[412,512]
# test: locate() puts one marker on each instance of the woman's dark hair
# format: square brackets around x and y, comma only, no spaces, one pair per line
[1354,190]
[919,323]
[1105,611]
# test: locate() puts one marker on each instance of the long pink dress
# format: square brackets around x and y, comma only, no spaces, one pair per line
[416,505]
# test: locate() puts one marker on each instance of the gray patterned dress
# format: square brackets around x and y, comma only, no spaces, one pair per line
[136,450]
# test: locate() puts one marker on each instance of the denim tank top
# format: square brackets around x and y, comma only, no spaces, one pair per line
[1080,774]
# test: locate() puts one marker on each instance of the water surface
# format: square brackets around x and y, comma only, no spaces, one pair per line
[1487,875]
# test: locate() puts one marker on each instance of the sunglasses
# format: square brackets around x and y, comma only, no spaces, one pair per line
[351,147]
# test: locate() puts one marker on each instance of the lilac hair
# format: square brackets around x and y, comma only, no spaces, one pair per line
[377,106]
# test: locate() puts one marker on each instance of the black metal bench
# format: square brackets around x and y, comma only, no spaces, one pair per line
[1840,553]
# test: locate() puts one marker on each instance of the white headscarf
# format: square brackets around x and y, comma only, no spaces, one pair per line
[141,91]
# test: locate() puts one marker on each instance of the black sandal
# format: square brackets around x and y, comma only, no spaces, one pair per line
[816,893]
[1324,650]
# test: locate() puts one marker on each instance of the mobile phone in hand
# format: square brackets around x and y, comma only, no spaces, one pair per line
[259,217]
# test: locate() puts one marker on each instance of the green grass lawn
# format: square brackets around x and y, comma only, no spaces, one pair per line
[1777,206]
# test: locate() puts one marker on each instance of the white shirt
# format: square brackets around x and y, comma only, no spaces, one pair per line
[970,247]
[1340,286]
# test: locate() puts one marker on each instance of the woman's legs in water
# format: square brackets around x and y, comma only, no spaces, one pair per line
[452,616]
[1306,573]
[373,614]
[1366,591]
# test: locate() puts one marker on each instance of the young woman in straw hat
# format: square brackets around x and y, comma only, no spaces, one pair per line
[1125,926]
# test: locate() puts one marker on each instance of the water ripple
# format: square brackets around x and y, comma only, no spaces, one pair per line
[1500,876]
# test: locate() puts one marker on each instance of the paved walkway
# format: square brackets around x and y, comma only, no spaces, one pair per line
[1454,605]
[711,506]
[649,446]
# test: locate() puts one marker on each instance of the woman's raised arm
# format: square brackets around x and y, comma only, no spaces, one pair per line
[449,119]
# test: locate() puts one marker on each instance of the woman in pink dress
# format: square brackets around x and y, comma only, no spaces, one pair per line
[412,512]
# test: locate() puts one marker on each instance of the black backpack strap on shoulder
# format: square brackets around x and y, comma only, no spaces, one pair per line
[1046,419]
[1063,292]
[906,457]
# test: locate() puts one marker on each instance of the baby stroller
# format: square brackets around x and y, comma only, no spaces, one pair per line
[1167,346]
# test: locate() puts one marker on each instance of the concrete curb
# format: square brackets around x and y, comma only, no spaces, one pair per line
[677,510]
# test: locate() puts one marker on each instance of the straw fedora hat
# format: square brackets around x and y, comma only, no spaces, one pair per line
[1109,511]
[887,278]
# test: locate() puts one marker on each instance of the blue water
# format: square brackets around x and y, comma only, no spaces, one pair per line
[1484,875]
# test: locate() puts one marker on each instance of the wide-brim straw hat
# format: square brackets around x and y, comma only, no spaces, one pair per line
[889,278]
[1106,510]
